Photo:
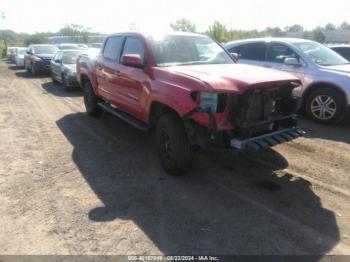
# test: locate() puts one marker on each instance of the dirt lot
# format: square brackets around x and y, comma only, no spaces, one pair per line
[70,184]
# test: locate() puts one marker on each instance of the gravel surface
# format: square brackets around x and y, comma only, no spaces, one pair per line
[70,184]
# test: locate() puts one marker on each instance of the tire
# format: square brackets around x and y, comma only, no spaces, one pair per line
[174,149]
[91,101]
[53,78]
[32,70]
[65,85]
[325,106]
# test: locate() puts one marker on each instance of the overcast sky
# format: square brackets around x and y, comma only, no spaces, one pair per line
[114,15]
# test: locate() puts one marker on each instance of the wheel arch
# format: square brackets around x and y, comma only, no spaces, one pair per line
[157,109]
[311,88]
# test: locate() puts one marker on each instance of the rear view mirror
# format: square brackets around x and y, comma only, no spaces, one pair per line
[235,56]
[292,62]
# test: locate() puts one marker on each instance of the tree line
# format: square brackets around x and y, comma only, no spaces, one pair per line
[222,33]
[216,30]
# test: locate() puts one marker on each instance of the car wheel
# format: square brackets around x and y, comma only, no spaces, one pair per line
[32,70]
[53,78]
[91,101]
[325,106]
[174,149]
[65,84]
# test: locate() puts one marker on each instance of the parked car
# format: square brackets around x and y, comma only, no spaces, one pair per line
[63,67]
[191,92]
[19,56]
[343,50]
[38,57]
[9,52]
[325,89]
[71,46]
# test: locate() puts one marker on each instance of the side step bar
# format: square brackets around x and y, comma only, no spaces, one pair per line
[268,140]
[124,116]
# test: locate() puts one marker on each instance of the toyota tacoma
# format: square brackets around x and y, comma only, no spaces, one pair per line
[191,92]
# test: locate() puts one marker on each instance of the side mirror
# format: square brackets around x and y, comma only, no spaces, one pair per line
[57,61]
[133,60]
[235,56]
[292,62]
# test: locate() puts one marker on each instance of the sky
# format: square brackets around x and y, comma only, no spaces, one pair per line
[107,16]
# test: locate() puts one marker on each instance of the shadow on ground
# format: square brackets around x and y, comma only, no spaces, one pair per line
[337,132]
[57,90]
[25,74]
[224,205]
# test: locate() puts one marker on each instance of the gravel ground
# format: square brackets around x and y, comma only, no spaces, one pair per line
[73,185]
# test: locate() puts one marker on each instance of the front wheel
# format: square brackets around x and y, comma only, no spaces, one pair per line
[91,101]
[325,106]
[32,70]
[174,149]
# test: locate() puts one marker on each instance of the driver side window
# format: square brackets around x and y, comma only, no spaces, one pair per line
[277,53]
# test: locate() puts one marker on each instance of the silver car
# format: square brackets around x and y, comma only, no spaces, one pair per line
[325,93]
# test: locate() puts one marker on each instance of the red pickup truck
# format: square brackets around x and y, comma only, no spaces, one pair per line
[192,92]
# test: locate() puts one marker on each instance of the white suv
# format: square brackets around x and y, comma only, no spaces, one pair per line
[325,75]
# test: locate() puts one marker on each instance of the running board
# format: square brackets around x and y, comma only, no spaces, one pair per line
[124,116]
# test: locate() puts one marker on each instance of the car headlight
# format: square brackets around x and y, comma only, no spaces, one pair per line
[37,59]
[208,102]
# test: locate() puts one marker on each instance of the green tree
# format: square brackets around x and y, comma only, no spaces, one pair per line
[274,32]
[318,35]
[294,28]
[330,27]
[183,25]
[344,26]
[219,32]
[37,38]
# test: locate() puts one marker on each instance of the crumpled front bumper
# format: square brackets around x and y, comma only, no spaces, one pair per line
[266,141]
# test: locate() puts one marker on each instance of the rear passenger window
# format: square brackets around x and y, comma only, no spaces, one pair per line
[133,46]
[113,47]
[251,51]
[278,53]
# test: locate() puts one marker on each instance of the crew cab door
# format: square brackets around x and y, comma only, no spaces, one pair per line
[277,53]
[132,79]
[108,70]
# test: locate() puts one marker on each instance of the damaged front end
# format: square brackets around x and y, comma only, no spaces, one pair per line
[259,118]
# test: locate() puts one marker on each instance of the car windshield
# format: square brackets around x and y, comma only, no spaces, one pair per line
[321,54]
[45,49]
[71,57]
[174,50]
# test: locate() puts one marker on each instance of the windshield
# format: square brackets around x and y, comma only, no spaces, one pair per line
[71,57]
[173,50]
[45,49]
[321,54]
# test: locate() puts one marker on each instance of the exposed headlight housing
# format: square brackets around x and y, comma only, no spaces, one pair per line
[208,102]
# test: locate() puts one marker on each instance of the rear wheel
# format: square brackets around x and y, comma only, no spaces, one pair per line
[91,101]
[174,149]
[325,105]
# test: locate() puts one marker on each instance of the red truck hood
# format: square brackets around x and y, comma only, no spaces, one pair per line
[236,77]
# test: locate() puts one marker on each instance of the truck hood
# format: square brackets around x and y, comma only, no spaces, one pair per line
[341,69]
[236,77]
